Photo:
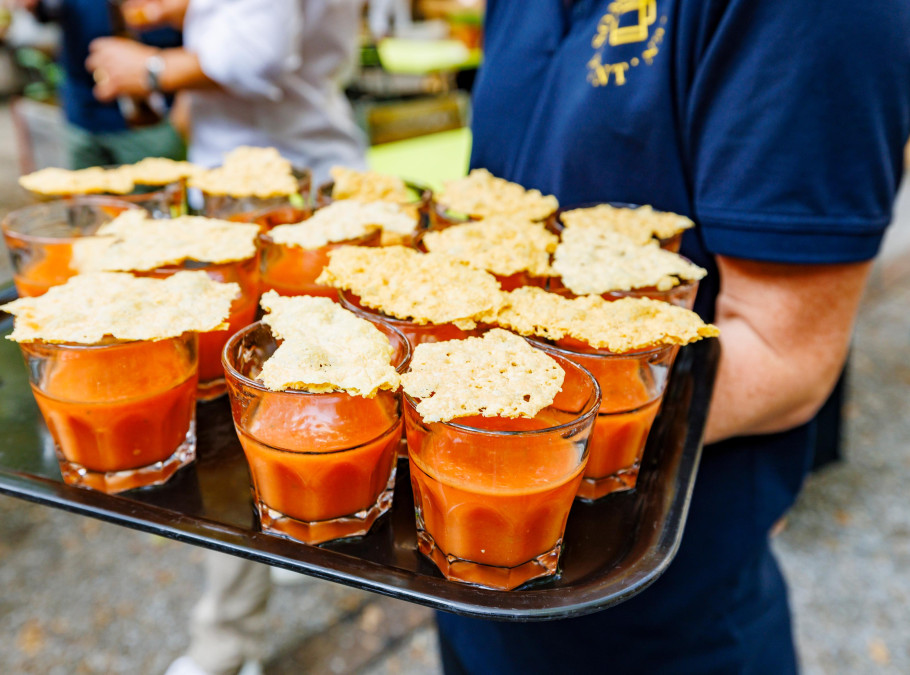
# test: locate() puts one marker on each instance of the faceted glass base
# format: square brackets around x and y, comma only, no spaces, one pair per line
[592,489]
[321,531]
[113,482]
[488,576]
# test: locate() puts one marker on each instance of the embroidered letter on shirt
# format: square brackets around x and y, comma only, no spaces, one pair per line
[626,22]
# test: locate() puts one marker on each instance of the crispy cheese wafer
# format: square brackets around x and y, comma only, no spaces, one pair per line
[325,348]
[135,242]
[89,308]
[63,182]
[500,244]
[620,326]
[343,220]
[482,194]
[248,172]
[423,288]
[642,223]
[159,171]
[368,186]
[497,375]
[597,261]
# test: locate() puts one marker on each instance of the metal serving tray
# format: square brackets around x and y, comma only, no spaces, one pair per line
[614,549]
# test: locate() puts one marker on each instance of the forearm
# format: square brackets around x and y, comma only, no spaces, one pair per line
[782,350]
[183,71]
[759,391]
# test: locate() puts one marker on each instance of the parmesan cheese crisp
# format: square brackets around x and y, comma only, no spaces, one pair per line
[497,375]
[500,244]
[159,171]
[343,220]
[482,194]
[91,307]
[368,186]
[63,182]
[594,261]
[423,288]
[135,242]
[325,348]
[248,172]
[119,180]
[641,224]
[620,326]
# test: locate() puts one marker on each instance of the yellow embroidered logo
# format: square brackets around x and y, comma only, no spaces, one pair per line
[626,22]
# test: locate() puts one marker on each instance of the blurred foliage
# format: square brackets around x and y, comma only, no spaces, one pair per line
[42,75]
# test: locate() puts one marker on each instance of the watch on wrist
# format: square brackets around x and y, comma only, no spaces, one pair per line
[154,67]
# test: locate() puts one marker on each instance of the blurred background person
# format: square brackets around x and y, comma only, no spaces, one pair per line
[103,132]
[260,73]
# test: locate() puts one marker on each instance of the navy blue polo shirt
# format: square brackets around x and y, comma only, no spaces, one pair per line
[81,22]
[778,126]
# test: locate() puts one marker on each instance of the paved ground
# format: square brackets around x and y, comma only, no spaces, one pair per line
[80,596]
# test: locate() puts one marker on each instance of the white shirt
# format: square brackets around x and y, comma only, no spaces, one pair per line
[279,63]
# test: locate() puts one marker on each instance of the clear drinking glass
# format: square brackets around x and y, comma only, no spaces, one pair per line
[292,270]
[122,414]
[245,273]
[421,199]
[632,386]
[226,206]
[40,238]
[414,332]
[681,295]
[322,465]
[266,219]
[507,282]
[492,494]
[166,201]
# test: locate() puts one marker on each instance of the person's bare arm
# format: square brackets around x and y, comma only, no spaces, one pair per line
[785,331]
[119,68]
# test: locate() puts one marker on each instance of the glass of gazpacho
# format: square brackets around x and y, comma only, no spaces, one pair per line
[492,494]
[40,238]
[292,270]
[270,217]
[416,333]
[632,387]
[322,464]
[245,273]
[122,414]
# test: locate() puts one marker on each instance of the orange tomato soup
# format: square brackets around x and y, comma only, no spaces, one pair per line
[51,269]
[479,507]
[627,411]
[243,312]
[292,270]
[326,457]
[121,407]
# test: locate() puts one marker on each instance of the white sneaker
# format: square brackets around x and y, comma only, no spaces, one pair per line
[186,666]
[251,668]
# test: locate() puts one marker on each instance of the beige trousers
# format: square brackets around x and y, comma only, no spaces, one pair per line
[228,622]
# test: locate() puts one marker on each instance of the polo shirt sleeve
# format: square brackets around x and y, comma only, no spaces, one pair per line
[797,115]
[246,46]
